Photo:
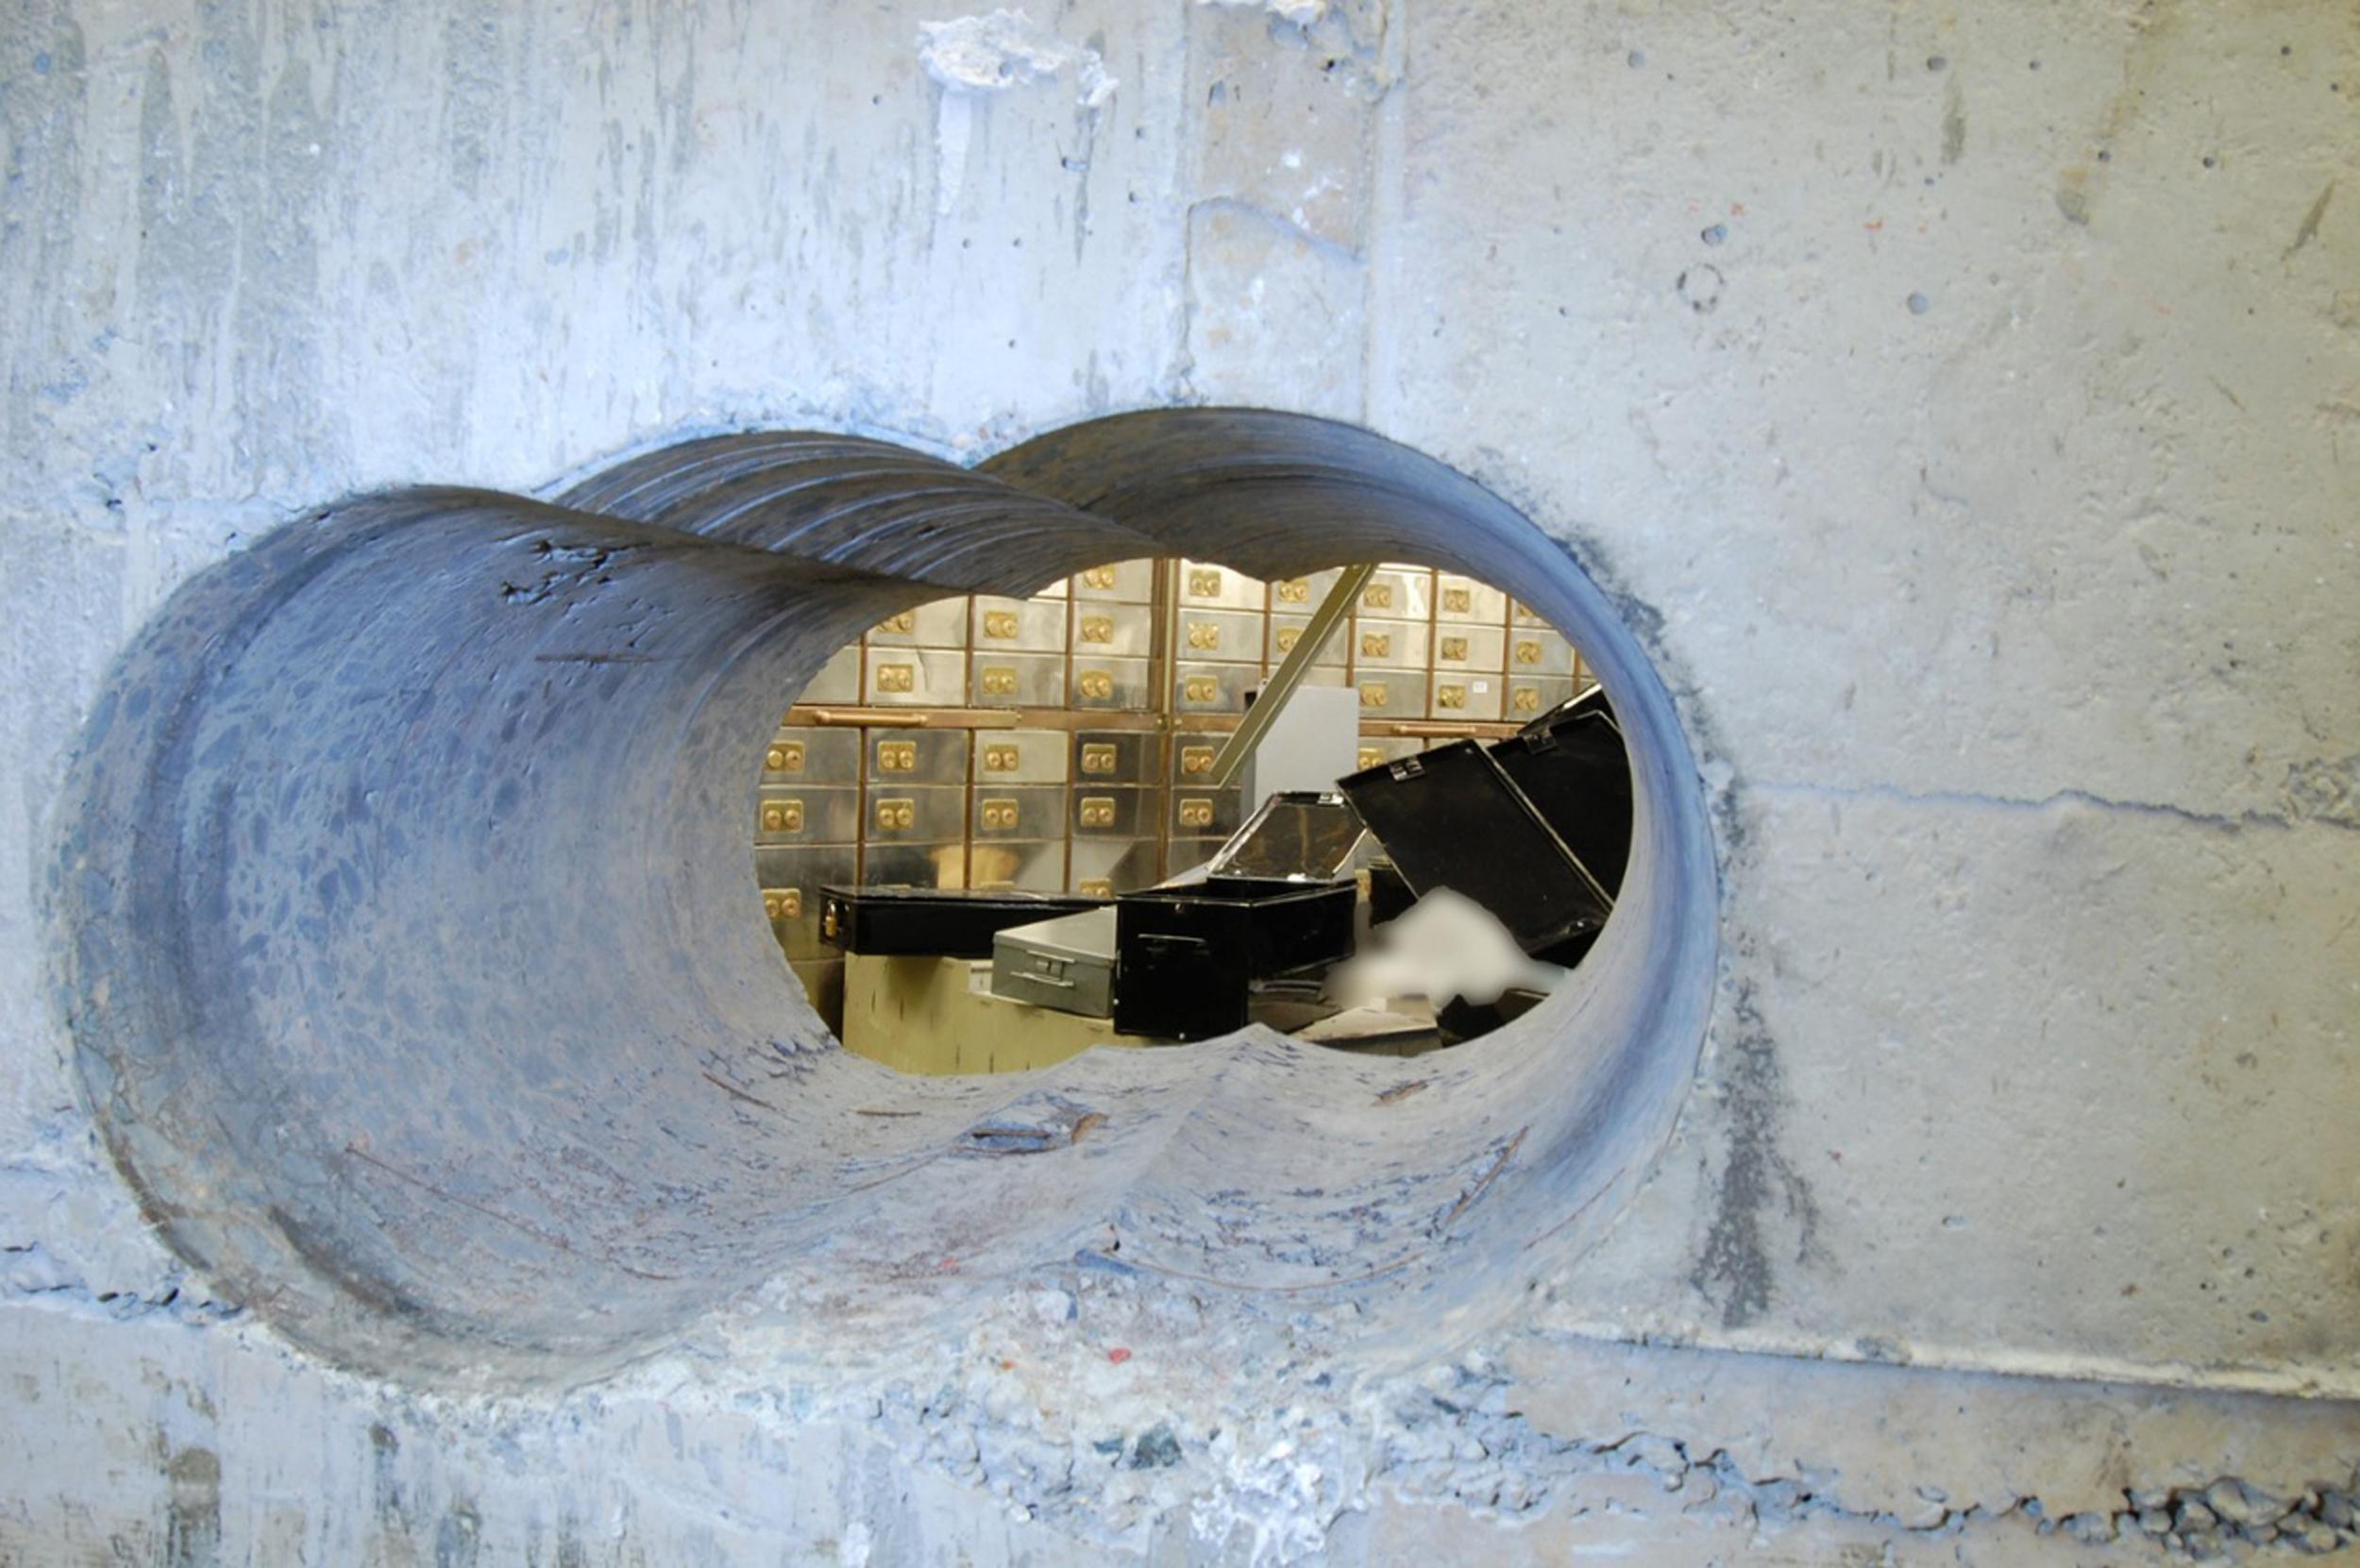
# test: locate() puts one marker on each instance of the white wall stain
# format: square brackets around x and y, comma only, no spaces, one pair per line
[1302,13]
[972,57]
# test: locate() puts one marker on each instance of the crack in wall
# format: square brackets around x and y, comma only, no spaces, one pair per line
[2321,792]
[1736,1267]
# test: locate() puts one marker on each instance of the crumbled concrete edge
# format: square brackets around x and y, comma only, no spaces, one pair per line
[1462,1443]
[1004,49]
[72,1240]
[1089,1404]
[1301,13]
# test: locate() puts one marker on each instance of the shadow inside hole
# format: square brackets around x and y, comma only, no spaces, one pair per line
[400,914]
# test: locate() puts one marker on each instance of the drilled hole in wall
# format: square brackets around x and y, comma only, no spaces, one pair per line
[414,980]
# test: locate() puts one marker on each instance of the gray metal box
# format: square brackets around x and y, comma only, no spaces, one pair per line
[1067,964]
[1313,742]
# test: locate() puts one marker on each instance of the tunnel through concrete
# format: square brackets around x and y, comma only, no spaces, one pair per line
[418,984]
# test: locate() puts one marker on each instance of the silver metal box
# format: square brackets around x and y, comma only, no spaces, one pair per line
[1020,756]
[1113,631]
[811,756]
[1468,648]
[899,758]
[1400,592]
[801,815]
[1119,811]
[1067,964]
[1109,685]
[1200,688]
[1531,696]
[1017,679]
[838,679]
[1392,693]
[790,880]
[1284,631]
[916,678]
[1465,599]
[1304,594]
[941,623]
[1538,651]
[1122,582]
[1467,697]
[916,814]
[1192,757]
[1206,813]
[1117,756]
[1219,636]
[1381,643]
[1020,811]
[1017,626]
[1200,583]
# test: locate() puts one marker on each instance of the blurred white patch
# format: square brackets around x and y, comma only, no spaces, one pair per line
[1446,945]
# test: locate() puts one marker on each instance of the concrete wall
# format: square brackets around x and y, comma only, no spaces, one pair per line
[1966,401]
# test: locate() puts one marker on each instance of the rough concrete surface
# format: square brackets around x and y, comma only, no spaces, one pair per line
[1961,404]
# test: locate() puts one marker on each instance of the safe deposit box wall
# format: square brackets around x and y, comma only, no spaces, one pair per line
[1064,742]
